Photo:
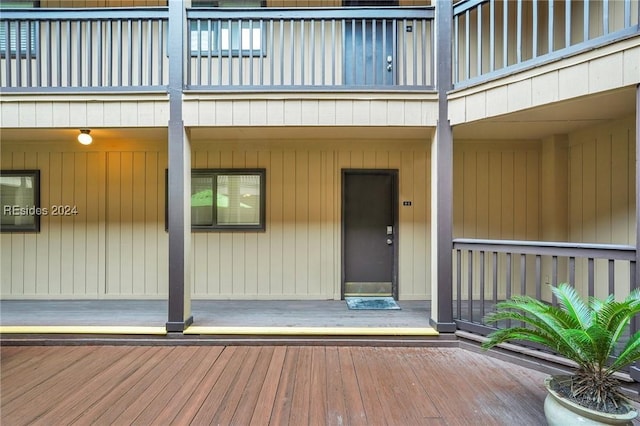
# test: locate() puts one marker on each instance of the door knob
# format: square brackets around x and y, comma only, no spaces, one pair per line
[389,241]
[389,63]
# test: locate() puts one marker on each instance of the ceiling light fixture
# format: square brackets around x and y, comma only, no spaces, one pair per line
[84,137]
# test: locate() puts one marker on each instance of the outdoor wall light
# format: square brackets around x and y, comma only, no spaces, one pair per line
[84,137]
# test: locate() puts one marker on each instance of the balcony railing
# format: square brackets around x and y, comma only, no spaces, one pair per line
[124,49]
[493,38]
[60,50]
[300,49]
[79,49]
[489,271]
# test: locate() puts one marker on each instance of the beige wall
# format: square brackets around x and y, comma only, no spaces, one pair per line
[496,196]
[601,186]
[116,246]
[299,254]
[497,190]
[577,188]
[65,258]
[602,193]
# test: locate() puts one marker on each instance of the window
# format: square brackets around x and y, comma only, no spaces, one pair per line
[224,37]
[20,197]
[227,199]
[27,29]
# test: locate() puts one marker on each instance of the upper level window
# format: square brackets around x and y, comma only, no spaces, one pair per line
[20,199]
[9,31]
[235,37]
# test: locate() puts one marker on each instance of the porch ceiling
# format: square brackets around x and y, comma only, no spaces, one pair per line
[536,123]
[159,134]
[142,134]
[315,133]
[557,118]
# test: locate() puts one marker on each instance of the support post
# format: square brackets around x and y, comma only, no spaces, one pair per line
[179,180]
[634,370]
[637,184]
[442,180]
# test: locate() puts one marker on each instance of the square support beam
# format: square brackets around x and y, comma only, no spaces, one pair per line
[179,181]
[442,180]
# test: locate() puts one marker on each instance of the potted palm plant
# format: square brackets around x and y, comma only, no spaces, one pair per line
[587,333]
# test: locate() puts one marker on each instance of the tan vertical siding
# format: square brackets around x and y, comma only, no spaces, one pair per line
[116,246]
[497,196]
[298,256]
[497,190]
[602,194]
[602,208]
[63,259]
[135,238]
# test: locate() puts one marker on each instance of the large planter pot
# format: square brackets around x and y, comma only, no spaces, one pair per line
[559,411]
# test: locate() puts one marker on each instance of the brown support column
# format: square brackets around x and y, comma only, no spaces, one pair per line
[634,371]
[442,180]
[179,180]
[637,184]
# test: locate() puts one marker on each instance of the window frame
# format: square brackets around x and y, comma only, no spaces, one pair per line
[35,227]
[211,32]
[29,32]
[214,173]
[206,35]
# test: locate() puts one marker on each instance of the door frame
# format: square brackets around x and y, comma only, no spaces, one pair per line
[393,173]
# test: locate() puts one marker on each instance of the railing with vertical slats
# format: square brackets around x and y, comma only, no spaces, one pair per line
[310,49]
[493,38]
[79,49]
[488,271]
[300,49]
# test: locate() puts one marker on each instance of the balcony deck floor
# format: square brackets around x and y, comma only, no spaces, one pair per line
[275,385]
[246,313]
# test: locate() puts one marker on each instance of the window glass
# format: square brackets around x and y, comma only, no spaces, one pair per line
[20,198]
[202,201]
[27,29]
[227,199]
[238,38]
[238,199]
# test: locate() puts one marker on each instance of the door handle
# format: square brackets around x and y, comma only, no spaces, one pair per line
[389,63]
[389,241]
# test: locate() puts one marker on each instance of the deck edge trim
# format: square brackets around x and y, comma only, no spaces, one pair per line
[314,331]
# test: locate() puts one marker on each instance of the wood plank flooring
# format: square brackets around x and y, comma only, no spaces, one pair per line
[265,385]
[236,313]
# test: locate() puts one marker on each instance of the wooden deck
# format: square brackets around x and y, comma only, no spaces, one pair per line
[276,385]
[235,313]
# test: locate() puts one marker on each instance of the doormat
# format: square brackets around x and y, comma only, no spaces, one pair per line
[371,303]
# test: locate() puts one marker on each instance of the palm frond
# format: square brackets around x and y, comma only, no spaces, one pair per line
[587,333]
[526,334]
[630,353]
[571,302]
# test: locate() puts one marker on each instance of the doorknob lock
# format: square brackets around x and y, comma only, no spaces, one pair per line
[389,241]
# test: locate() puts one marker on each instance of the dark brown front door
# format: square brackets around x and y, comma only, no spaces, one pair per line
[369,222]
